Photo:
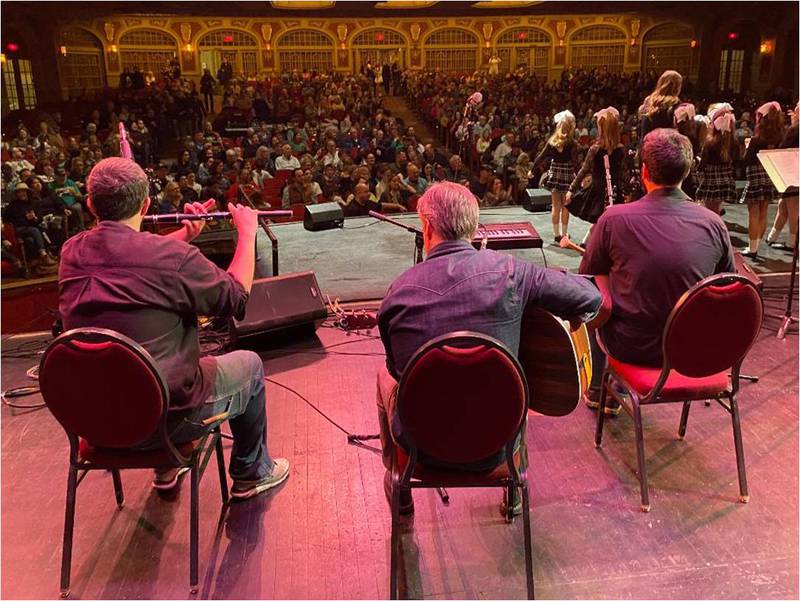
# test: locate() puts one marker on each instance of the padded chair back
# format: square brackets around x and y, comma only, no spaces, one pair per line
[713,326]
[103,387]
[462,398]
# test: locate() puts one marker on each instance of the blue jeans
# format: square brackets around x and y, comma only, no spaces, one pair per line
[239,390]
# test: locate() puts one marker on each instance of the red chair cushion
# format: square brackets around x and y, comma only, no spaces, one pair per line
[131,459]
[103,392]
[461,405]
[678,387]
[453,477]
[713,329]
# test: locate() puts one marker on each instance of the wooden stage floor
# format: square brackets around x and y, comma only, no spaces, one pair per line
[325,532]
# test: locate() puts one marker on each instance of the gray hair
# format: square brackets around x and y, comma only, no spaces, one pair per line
[451,210]
[117,187]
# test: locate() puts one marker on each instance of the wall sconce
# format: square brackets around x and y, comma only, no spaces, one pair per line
[188,47]
[3,59]
[766,47]
[63,50]
[693,44]
[633,41]
[488,44]
[268,47]
[113,48]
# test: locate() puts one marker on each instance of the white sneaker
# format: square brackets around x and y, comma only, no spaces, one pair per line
[244,489]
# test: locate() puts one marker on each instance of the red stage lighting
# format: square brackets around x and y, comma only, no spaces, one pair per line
[12,47]
[522,35]
[379,37]
[228,39]
[733,35]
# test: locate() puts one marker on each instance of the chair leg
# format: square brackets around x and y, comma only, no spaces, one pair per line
[69,526]
[395,542]
[601,410]
[118,492]
[684,418]
[511,500]
[526,522]
[223,479]
[194,525]
[744,496]
[637,419]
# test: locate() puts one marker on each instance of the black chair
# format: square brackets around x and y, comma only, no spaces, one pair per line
[474,377]
[109,396]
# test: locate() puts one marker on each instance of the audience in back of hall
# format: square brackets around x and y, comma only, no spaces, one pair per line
[315,137]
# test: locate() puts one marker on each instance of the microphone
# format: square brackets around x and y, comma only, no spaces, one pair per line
[382,217]
[217,216]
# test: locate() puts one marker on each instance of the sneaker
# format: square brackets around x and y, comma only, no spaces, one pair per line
[406,500]
[592,400]
[751,254]
[168,479]
[244,489]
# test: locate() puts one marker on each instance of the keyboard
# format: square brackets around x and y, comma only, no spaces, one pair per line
[506,236]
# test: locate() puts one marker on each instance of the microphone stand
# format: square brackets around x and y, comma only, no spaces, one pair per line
[265,226]
[788,318]
[418,243]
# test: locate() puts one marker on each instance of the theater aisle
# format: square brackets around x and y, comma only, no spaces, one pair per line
[400,108]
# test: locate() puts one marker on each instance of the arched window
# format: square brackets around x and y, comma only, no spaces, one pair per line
[82,69]
[147,49]
[239,47]
[598,46]
[668,46]
[524,48]
[451,50]
[378,46]
[305,50]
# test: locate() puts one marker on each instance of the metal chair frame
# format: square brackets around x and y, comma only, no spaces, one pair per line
[517,480]
[726,398]
[196,461]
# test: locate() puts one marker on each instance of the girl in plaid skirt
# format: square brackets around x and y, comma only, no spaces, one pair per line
[759,191]
[561,150]
[716,183]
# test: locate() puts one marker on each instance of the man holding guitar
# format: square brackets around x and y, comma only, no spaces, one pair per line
[460,288]
[652,251]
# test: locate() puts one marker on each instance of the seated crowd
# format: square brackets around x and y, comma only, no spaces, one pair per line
[303,138]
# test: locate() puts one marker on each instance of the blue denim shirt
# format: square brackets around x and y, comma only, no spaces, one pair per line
[460,288]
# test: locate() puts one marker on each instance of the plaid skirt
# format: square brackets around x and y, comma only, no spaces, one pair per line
[559,177]
[716,184]
[759,187]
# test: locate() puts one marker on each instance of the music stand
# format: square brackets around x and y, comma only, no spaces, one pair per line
[781,166]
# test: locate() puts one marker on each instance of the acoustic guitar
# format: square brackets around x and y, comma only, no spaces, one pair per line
[557,362]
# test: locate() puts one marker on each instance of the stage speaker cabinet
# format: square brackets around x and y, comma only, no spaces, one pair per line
[281,305]
[325,216]
[537,200]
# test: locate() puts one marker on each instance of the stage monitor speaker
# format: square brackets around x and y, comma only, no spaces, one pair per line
[538,200]
[281,304]
[325,216]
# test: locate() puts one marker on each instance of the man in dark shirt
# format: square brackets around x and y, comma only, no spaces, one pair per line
[361,202]
[652,251]
[152,288]
[460,288]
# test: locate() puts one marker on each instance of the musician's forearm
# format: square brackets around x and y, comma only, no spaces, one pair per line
[181,234]
[243,265]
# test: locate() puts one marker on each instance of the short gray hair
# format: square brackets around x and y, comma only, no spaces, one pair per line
[117,187]
[451,210]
